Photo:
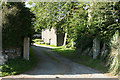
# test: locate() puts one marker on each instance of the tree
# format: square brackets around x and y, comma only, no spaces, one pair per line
[17,24]
[80,21]
[58,15]
[104,16]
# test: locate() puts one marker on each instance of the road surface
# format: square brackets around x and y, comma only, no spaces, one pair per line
[60,68]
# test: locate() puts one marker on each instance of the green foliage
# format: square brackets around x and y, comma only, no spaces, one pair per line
[101,24]
[47,43]
[19,65]
[114,58]
[78,19]
[17,24]
[104,15]
[103,20]
[44,44]
[45,14]
[81,21]
[38,40]
[64,51]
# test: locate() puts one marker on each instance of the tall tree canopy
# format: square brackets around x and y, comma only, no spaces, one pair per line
[60,15]
[17,24]
[80,20]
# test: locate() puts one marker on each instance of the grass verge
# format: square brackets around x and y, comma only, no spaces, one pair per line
[81,59]
[45,44]
[19,65]
[40,42]
[52,57]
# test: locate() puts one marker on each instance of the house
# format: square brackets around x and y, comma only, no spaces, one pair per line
[52,37]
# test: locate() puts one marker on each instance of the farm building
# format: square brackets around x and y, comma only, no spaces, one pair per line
[50,36]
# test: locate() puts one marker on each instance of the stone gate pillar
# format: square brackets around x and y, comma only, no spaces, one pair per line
[96,48]
[26,48]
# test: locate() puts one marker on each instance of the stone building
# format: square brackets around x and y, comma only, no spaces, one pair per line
[50,36]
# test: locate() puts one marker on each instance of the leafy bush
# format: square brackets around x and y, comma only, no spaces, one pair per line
[84,40]
[114,56]
[47,43]
[16,20]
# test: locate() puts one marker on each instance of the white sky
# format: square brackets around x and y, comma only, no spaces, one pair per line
[27,5]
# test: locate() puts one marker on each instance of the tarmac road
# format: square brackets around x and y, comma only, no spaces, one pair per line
[62,68]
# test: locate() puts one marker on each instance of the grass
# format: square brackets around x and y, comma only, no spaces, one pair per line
[38,42]
[19,65]
[53,58]
[45,44]
[81,59]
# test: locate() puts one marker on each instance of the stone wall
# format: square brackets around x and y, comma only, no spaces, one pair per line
[3,59]
[12,53]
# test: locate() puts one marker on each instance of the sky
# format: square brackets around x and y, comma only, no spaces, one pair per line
[27,5]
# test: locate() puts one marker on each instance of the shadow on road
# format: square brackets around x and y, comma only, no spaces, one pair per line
[48,66]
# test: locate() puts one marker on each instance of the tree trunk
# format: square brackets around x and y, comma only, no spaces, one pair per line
[65,39]
[72,44]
